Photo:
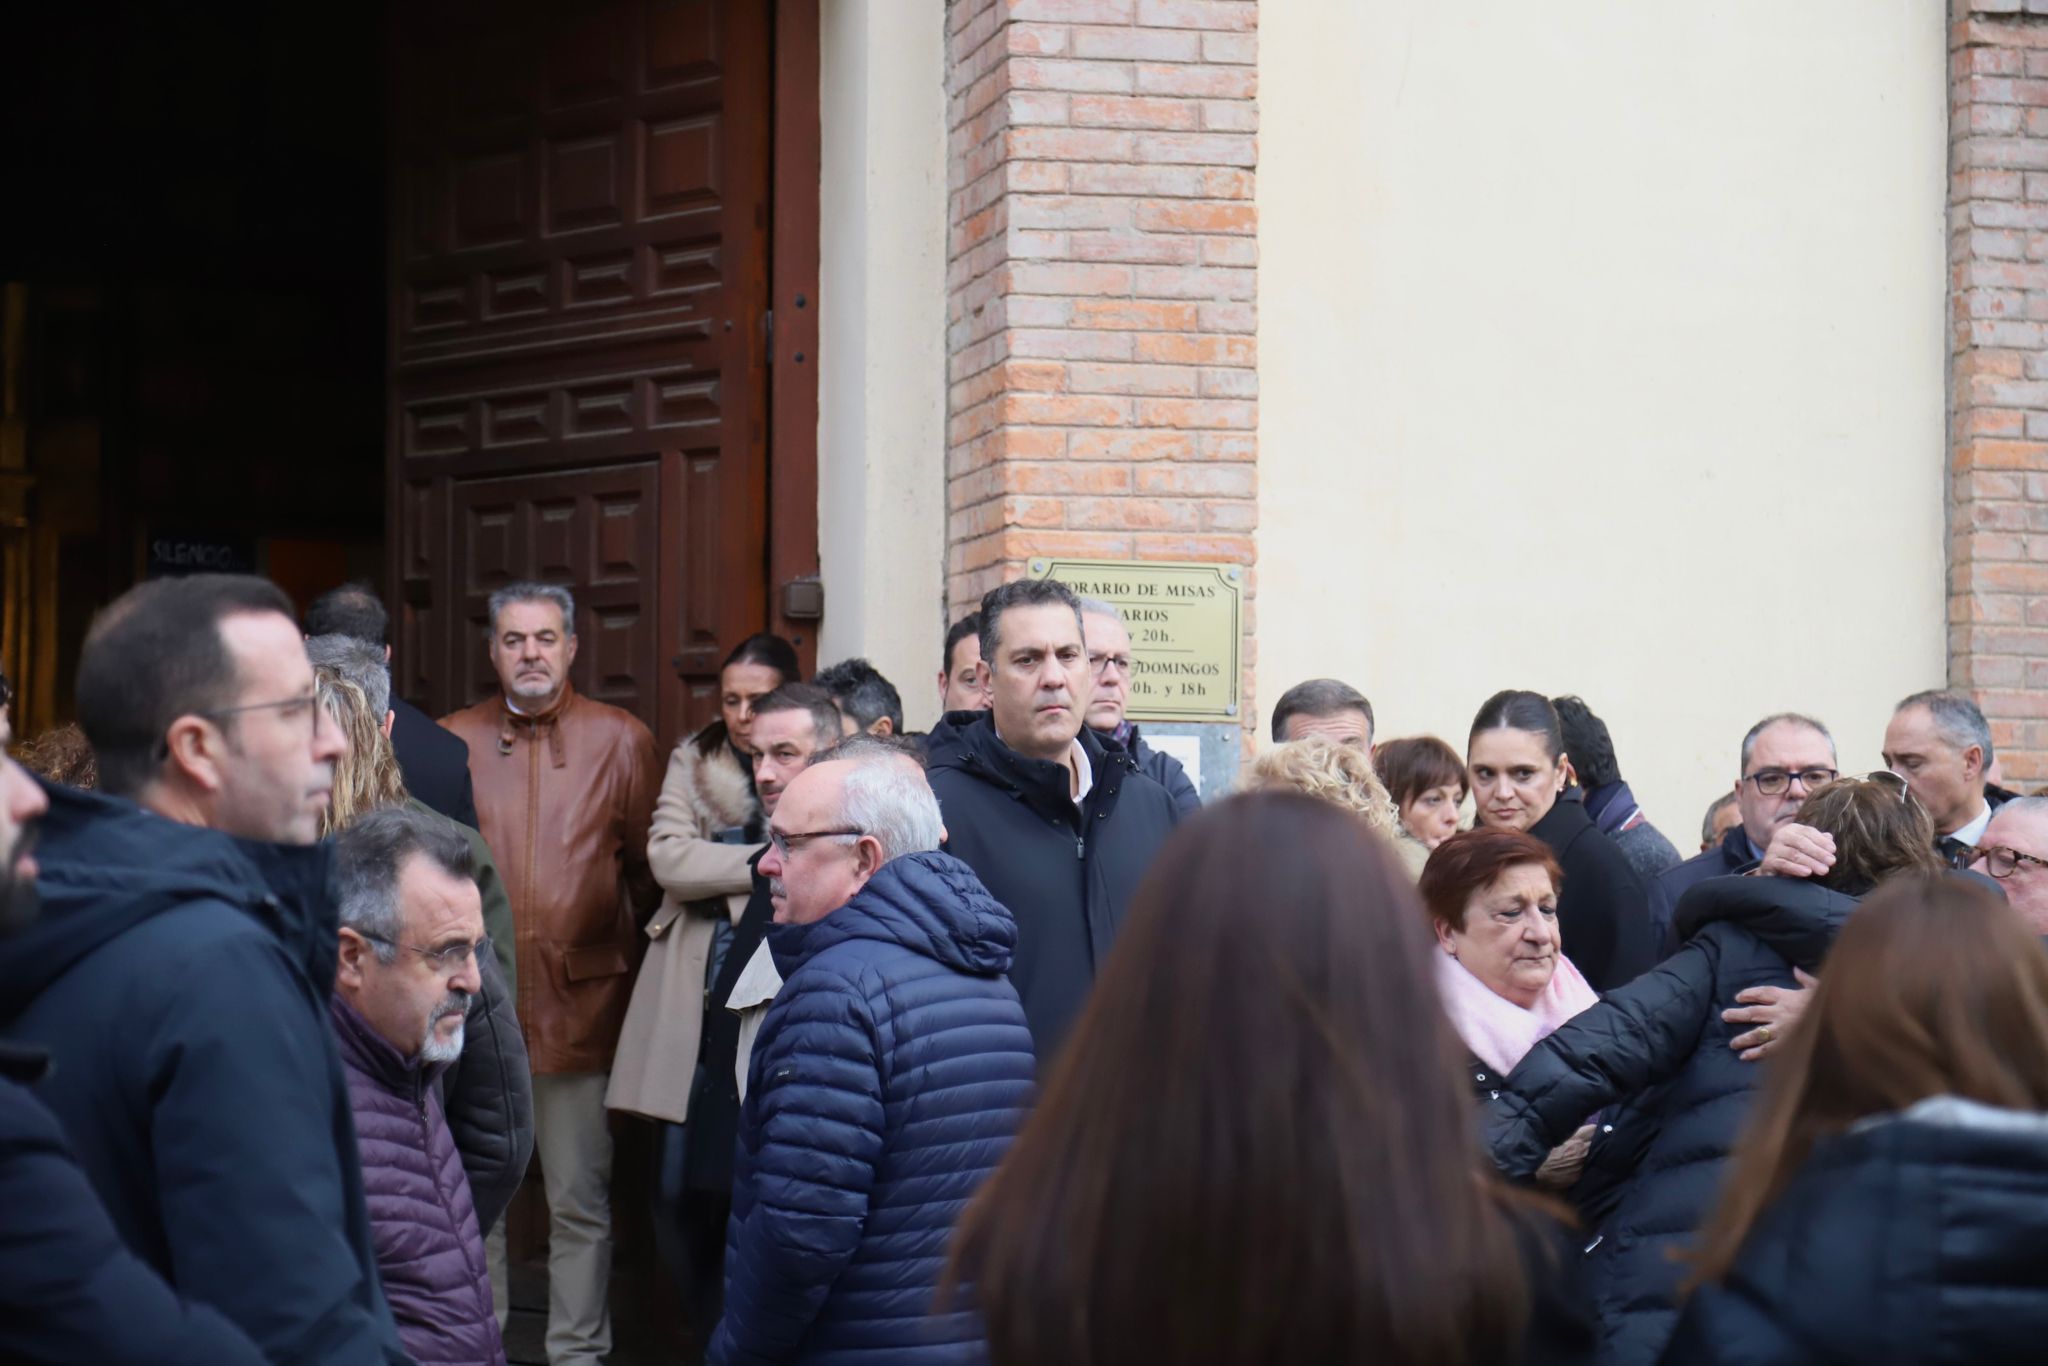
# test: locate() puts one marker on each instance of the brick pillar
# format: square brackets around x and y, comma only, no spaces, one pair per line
[1998,372]
[1102,265]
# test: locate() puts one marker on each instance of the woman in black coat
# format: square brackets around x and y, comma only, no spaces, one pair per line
[1652,1060]
[1891,1201]
[1516,759]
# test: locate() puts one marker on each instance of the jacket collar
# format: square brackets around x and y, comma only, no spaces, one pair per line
[1563,822]
[107,864]
[512,725]
[967,741]
[930,903]
[370,1053]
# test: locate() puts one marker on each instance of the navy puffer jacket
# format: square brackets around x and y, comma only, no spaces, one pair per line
[886,1083]
[1654,1056]
[430,1248]
[1919,1237]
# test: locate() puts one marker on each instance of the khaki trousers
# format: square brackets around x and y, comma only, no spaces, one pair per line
[573,1138]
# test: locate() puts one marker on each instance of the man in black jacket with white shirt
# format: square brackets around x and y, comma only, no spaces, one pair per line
[1056,820]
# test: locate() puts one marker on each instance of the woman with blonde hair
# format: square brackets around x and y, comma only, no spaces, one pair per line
[1653,1058]
[1890,1200]
[1341,775]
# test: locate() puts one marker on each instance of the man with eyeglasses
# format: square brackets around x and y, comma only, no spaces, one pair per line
[1109,657]
[887,1081]
[2014,852]
[180,972]
[412,927]
[1784,758]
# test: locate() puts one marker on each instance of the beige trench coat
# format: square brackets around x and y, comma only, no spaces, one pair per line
[701,879]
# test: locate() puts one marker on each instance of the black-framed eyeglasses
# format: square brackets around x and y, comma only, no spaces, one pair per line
[1775,782]
[1099,664]
[784,842]
[449,959]
[2002,862]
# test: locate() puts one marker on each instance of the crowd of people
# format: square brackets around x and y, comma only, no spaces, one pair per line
[1001,1042]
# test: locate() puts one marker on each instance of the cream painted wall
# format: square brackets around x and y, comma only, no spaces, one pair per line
[1601,350]
[882,348]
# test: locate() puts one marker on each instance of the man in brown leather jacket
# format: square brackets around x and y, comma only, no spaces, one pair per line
[565,788]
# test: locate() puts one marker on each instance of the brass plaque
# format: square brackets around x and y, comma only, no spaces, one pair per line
[1184,619]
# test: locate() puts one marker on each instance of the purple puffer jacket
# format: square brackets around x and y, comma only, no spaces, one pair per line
[430,1251]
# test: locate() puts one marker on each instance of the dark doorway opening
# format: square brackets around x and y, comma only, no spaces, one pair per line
[209,277]
[193,347]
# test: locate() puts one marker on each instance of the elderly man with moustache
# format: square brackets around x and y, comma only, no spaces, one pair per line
[886,1084]
[179,974]
[1058,825]
[412,933]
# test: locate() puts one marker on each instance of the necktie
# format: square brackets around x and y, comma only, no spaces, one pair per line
[1954,852]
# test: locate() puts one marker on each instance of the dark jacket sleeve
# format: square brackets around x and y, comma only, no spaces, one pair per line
[497,910]
[1720,1326]
[488,1096]
[1604,914]
[1632,1038]
[248,1114]
[70,1290]
[1164,769]
[819,1109]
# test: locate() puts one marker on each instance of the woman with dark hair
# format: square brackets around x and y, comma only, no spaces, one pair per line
[1426,779]
[1258,1151]
[1516,759]
[1654,1058]
[1889,1201]
[706,835]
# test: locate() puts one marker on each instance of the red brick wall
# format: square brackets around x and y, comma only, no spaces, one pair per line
[1102,270]
[1998,423]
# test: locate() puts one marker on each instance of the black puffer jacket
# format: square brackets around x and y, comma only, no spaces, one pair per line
[1917,1237]
[1065,871]
[1658,1050]
[488,1096]
[1603,912]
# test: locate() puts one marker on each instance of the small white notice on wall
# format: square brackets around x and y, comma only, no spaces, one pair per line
[1187,749]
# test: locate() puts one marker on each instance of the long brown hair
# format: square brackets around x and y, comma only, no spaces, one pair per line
[367,776]
[1255,1148]
[1934,987]
[1880,829]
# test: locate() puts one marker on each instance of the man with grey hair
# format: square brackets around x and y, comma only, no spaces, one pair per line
[2014,851]
[886,1083]
[1940,744]
[1109,659]
[410,961]
[565,790]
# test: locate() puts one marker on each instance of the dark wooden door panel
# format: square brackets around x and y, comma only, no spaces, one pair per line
[596,529]
[579,392]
